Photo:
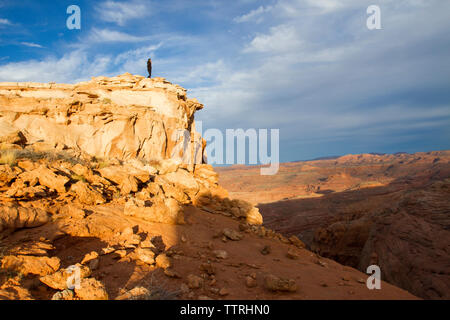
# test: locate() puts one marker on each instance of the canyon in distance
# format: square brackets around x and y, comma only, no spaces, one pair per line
[391,210]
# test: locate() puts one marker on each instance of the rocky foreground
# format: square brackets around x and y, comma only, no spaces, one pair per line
[87,179]
[389,210]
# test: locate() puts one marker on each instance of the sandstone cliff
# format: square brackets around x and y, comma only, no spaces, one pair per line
[123,117]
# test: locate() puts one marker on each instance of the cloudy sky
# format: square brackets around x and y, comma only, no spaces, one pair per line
[310,68]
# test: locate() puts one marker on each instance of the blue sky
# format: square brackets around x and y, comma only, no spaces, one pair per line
[310,68]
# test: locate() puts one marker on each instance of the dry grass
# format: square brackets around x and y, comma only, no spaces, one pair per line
[101,162]
[2,251]
[155,163]
[159,291]
[8,157]
[77,177]
[6,274]
[48,155]
[5,146]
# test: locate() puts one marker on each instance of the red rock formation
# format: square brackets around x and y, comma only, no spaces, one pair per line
[389,210]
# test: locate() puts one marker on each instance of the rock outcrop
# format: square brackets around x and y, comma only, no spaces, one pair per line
[122,117]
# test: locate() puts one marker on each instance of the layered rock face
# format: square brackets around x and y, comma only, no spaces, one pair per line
[128,139]
[122,117]
[388,210]
[405,232]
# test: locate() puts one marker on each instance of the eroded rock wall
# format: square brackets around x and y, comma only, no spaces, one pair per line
[121,117]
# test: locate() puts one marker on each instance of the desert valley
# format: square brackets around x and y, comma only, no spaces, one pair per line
[382,209]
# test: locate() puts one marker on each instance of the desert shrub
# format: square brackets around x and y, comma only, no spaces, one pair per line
[101,162]
[2,251]
[8,157]
[155,163]
[77,177]
[4,146]
[159,291]
[48,155]
[6,274]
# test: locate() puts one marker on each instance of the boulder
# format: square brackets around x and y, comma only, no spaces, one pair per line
[145,255]
[34,248]
[17,217]
[10,134]
[232,234]
[91,289]
[86,194]
[183,180]
[250,282]
[167,166]
[31,265]
[172,191]
[89,257]
[137,293]
[292,254]
[81,170]
[49,179]
[254,217]
[66,294]
[194,282]
[208,268]
[206,172]
[127,183]
[58,280]
[163,261]
[15,293]
[297,242]
[7,174]
[274,283]
[220,254]
[166,211]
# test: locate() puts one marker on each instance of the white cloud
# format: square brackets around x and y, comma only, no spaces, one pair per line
[254,15]
[209,72]
[281,38]
[326,5]
[31,44]
[5,22]
[135,61]
[313,70]
[107,35]
[323,75]
[70,68]
[120,12]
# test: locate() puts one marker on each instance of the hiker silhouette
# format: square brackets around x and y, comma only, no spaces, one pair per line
[149,67]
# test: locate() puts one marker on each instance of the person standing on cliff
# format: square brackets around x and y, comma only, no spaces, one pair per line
[149,67]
